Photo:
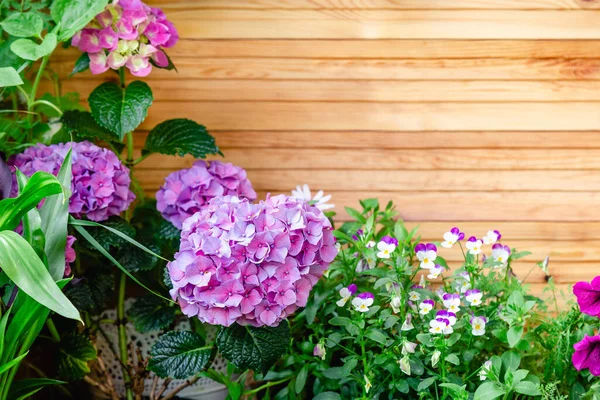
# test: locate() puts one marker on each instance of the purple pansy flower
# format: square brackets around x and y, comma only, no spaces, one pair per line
[426,253]
[492,237]
[588,296]
[452,236]
[587,354]
[226,272]
[363,301]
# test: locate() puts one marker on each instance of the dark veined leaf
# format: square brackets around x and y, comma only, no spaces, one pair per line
[39,186]
[25,388]
[120,110]
[82,64]
[9,77]
[54,216]
[23,24]
[74,353]
[82,125]
[254,348]
[179,355]
[167,230]
[136,259]
[107,238]
[22,265]
[74,15]
[180,136]
[92,293]
[149,313]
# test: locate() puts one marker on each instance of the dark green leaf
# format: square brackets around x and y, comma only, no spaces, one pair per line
[149,313]
[377,336]
[10,364]
[425,383]
[82,64]
[32,224]
[453,359]
[180,137]
[135,259]
[120,110]
[527,388]
[254,348]
[489,391]
[39,186]
[301,379]
[167,230]
[27,387]
[179,355]
[27,49]
[23,25]
[9,77]
[55,214]
[82,125]
[108,239]
[513,335]
[74,15]
[91,293]
[74,353]
[22,265]
[327,396]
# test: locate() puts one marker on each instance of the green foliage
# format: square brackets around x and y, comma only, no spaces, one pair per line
[73,15]
[180,137]
[23,25]
[150,313]
[254,348]
[82,64]
[74,354]
[9,77]
[179,355]
[25,388]
[120,110]
[27,49]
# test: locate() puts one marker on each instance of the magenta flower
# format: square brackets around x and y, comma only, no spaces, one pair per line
[186,191]
[100,185]
[587,354]
[234,262]
[588,296]
[120,34]
[70,254]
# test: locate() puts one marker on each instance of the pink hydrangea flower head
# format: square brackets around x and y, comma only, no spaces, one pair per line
[235,262]
[70,254]
[186,191]
[587,354]
[122,27]
[588,296]
[100,184]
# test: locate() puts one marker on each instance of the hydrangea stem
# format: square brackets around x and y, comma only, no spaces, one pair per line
[123,354]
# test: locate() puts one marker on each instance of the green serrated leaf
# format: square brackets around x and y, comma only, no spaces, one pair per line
[92,293]
[75,351]
[149,313]
[120,110]
[23,25]
[108,239]
[82,125]
[180,136]
[9,77]
[27,49]
[179,355]
[74,15]
[136,259]
[254,348]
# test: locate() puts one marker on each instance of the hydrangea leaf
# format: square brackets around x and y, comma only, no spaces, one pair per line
[10,77]
[108,239]
[75,352]
[136,259]
[149,313]
[74,15]
[120,110]
[91,293]
[179,355]
[180,136]
[82,125]
[29,50]
[254,348]
[23,25]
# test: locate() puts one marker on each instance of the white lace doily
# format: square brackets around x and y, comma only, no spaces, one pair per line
[204,388]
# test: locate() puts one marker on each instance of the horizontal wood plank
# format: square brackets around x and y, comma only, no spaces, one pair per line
[384,24]
[394,160]
[360,90]
[378,4]
[356,69]
[381,116]
[469,206]
[401,181]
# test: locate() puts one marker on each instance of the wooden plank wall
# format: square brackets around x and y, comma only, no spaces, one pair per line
[477,113]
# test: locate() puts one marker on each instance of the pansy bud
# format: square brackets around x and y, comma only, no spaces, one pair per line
[319,351]
[408,347]
[395,304]
[407,324]
[368,385]
[485,369]
[435,358]
[405,365]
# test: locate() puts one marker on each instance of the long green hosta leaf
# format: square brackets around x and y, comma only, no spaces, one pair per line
[25,388]
[55,215]
[32,224]
[40,185]
[105,253]
[8,365]
[22,265]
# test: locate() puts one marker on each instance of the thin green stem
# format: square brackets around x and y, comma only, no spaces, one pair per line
[53,106]
[123,353]
[52,329]
[122,76]
[267,385]
[140,159]
[33,94]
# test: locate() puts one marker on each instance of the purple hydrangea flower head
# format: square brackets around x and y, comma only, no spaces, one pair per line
[100,185]
[588,296]
[226,272]
[127,33]
[587,354]
[186,191]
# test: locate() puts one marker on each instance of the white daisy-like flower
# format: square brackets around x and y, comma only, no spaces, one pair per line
[319,201]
